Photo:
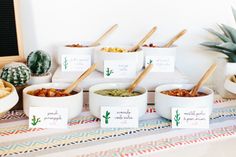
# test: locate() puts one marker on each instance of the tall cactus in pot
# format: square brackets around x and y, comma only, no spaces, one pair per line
[39,62]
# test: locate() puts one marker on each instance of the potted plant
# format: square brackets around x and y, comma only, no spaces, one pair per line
[39,63]
[227,46]
[18,74]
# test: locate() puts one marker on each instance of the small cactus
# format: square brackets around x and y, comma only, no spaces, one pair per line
[177,117]
[39,62]
[106,117]
[65,63]
[35,121]
[16,73]
[109,72]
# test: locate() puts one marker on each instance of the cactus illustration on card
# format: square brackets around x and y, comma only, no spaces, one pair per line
[177,118]
[106,117]
[109,72]
[35,121]
[150,61]
[65,63]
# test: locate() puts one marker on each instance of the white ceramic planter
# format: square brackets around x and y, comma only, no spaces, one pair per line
[164,103]
[63,50]
[224,69]
[8,101]
[73,103]
[101,56]
[96,100]
[161,52]
[47,78]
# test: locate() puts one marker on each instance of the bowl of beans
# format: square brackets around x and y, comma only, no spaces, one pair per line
[52,95]
[116,94]
[121,53]
[161,55]
[178,95]
[75,49]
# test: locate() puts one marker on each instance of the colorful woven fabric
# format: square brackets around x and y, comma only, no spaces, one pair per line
[18,140]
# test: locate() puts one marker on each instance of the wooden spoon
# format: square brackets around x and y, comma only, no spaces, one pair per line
[234,78]
[81,78]
[175,38]
[205,77]
[136,47]
[108,32]
[139,78]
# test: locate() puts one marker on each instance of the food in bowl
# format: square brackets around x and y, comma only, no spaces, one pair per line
[117,93]
[4,90]
[97,100]
[76,45]
[164,102]
[114,49]
[73,103]
[51,92]
[150,45]
[182,93]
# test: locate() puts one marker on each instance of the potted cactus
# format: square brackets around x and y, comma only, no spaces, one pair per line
[17,74]
[39,63]
[227,46]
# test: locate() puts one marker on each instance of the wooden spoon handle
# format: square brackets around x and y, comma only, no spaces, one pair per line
[150,33]
[108,32]
[203,79]
[234,78]
[175,38]
[82,77]
[139,78]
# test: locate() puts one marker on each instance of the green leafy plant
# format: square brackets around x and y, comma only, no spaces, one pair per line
[16,73]
[109,72]
[65,63]
[106,117]
[35,121]
[39,62]
[177,117]
[227,44]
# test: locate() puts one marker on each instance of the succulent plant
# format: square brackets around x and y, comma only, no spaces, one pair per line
[227,44]
[16,73]
[39,62]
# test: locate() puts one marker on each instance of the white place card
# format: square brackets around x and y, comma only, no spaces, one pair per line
[75,62]
[161,63]
[119,69]
[190,117]
[119,117]
[45,117]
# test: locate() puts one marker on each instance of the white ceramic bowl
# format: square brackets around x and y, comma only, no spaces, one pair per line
[96,100]
[160,51]
[101,56]
[9,101]
[164,103]
[74,103]
[63,50]
[230,85]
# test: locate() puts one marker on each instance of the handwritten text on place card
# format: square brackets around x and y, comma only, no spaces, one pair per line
[75,62]
[190,117]
[119,117]
[161,63]
[45,117]
[119,69]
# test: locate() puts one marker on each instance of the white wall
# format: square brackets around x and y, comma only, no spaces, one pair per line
[47,23]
